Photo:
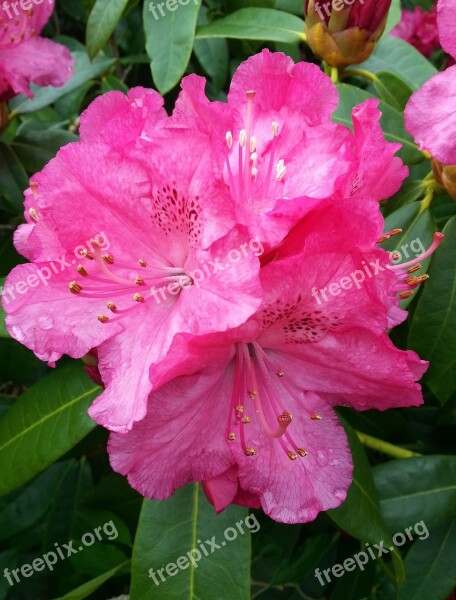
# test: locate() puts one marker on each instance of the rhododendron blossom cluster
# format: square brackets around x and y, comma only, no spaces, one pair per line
[231,382]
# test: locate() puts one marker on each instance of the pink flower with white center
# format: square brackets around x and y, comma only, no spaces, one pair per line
[430,115]
[255,421]
[419,28]
[24,56]
[119,244]
[277,150]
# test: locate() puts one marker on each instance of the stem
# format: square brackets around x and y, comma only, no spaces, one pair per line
[362,73]
[385,447]
[334,74]
[426,202]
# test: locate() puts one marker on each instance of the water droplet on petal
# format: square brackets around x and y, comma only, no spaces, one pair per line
[45,323]
[322,458]
[334,462]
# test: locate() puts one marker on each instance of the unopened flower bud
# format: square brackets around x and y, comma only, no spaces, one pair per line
[445,176]
[345,32]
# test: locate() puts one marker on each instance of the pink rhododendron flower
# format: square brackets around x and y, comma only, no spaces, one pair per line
[24,56]
[128,302]
[276,148]
[430,114]
[255,420]
[419,28]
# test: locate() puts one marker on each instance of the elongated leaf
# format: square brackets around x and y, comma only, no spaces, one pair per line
[46,421]
[102,21]
[265,24]
[360,514]
[394,15]
[13,179]
[430,566]
[169,532]
[416,489]
[84,70]
[3,332]
[392,90]
[169,40]
[410,192]
[88,588]
[392,121]
[434,321]
[395,56]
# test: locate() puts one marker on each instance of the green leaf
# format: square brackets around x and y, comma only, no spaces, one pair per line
[392,90]
[44,423]
[430,567]
[88,588]
[434,321]
[417,235]
[415,489]
[36,144]
[410,192]
[212,54]
[394,16]
[84,70]
[24,508]
[395,56]
[169,41]
[14,180]
[392,121]
[179,527]
[359,515]
[102,21]
[265,24]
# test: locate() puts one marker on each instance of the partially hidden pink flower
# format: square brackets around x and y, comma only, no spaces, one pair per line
[419,28]
[25,57]
[277,150]
[255,420]
[430,114]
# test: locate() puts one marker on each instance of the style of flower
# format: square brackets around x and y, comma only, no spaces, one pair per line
[25,57]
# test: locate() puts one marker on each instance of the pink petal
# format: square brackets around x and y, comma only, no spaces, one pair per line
[223,490]
[295,491]
[36,60]
[446,20]
[431,118]
[181,439]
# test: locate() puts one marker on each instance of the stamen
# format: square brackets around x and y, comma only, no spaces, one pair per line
[438,239]
[246,420]
[405,295]
[242,138]
[33,215]
[111,306]
[387,235]
[253,144]
[275,129]
[75,288]
[231,437]
[415,281]
[291,455]
[280,170]
[280,374]
[142,263]
[138,298]
[250,452]
[82,271]
[414,269]
[103,319]
[108,259]
[316,417]
[229,139]
[86,254]
[302,452]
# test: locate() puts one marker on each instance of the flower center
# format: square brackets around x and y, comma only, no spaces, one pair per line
[123,285]
[260,388]
[14,27]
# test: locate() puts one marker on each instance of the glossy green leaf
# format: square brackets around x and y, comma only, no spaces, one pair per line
[88,588]
[430,566]
[84,70]
[392,121]
[36,144]
[417,235]
[102,21]
[434,321]
[360,515]
[395,56]
[13,179]
[392,90]
[394,15]
[265,24]
[212,54]
[169,41]
[411,191]
[3,332]
[179,527]
[415,489]
[44,423]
